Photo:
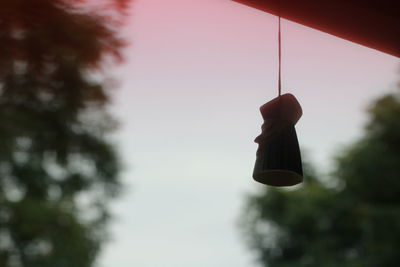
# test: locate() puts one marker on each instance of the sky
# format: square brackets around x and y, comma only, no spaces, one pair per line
[195,74]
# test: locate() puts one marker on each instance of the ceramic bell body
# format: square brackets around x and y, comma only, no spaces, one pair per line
[278,161]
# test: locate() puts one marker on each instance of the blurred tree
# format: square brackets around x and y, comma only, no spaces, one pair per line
[58,168]
[355,222]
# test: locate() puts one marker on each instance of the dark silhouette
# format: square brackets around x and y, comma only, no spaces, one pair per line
[278,160]
[352,221]
[57,169]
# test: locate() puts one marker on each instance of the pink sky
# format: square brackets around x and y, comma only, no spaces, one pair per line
[196,73]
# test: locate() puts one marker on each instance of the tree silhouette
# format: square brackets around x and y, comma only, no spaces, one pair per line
[58,169]
[354,223]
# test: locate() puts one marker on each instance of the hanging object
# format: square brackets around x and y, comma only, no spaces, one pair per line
[278,160]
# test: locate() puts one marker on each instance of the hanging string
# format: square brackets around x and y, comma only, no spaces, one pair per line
[279,57]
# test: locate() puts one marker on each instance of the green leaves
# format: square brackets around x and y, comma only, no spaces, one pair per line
[53,131]
[356,223]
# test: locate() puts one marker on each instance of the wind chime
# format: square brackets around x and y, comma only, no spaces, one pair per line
[278,161]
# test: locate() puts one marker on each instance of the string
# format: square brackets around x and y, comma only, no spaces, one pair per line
[279,57]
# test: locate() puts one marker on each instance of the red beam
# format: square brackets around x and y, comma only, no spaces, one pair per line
[371,23]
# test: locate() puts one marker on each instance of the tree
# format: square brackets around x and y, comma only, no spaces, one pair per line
[354,223]
[58,168]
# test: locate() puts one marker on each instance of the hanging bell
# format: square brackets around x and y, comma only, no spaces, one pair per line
[278,160]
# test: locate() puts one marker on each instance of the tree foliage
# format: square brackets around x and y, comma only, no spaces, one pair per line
[354,223]
[58,168]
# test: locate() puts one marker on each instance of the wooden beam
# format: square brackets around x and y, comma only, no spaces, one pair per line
[371,23]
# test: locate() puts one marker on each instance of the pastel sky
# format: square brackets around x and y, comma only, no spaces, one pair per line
[196,72]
